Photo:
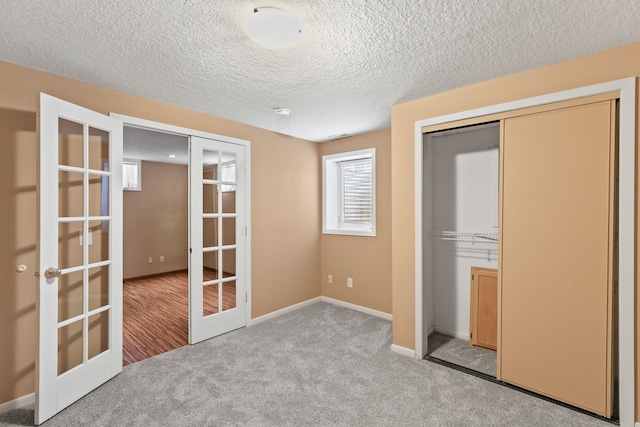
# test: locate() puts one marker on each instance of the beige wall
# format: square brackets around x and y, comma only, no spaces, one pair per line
[605,66]
[17,246]
[285,206]
[156,221]
[366,259]
[285,202]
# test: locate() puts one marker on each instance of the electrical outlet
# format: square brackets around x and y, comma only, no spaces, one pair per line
[161,258]
[330,279]
[150,260]
[349,282]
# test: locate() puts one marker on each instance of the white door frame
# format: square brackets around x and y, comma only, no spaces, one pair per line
[186,132]
[626,221]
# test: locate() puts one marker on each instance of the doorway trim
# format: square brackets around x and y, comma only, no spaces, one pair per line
[626,221]
[186,132]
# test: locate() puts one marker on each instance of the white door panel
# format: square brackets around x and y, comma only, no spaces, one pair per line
[217,278]
[79,301]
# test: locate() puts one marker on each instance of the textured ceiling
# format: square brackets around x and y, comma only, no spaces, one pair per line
[359,58]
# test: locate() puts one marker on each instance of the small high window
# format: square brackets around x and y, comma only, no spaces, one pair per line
[132,175]
[348,188]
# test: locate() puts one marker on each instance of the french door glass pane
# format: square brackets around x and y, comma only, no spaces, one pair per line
[98,333]
[228,231]
[69,244]
[210,165]
[229,200]
[98,149]
[98,287]
[228,169]
[70,194]
[70,143]
[98,241]
[228,262]
[210,299]
[210,198]
[210,266]
[70,344]
[98,195]
[209,232]
[70,295]
[228,295]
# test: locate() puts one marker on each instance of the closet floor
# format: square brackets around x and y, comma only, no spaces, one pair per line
[459,352]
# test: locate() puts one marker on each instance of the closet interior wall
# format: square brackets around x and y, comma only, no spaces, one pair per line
[460,218]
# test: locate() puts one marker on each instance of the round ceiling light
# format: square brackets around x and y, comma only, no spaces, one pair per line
[275,28]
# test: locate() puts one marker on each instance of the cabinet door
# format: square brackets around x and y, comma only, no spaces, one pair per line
[484,308]
[555,254]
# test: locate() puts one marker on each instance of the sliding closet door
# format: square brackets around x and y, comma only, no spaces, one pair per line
[556,245]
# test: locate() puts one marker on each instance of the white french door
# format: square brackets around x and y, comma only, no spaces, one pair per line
[217,235]
[79,301]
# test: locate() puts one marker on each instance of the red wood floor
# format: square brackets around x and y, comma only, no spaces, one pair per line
[155,313]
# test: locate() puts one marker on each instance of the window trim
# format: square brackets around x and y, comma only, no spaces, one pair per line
[331,194]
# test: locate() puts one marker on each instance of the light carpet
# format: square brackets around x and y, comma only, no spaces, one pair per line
[459,352]
[321,365]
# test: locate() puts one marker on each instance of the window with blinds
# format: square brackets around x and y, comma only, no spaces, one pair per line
[349,193]
[356,192]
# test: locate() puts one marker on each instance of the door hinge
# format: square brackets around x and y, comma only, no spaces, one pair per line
[190,250]
[245,231]
[246,297]
[471,335]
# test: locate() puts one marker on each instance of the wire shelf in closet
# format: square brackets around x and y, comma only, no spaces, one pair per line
[468,241]
[465,236]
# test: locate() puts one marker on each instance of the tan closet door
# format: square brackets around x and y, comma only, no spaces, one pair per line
[555,267]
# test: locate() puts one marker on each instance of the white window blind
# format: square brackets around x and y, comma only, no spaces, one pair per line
[356,188]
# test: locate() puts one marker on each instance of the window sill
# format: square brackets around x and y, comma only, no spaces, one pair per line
[350,232]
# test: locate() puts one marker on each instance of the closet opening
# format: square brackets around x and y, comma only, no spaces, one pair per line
[464,252]
[555,203]
[460,206]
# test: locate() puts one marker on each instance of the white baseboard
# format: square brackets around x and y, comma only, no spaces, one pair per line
[452,333]
[403,351]
[359,308]
[18,403]
[431,330]
[311,301]
[285,310]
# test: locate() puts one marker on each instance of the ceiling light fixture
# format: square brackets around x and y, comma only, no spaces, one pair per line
[283,112]
[275,28]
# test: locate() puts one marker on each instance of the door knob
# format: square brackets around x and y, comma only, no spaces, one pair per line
[51,272]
